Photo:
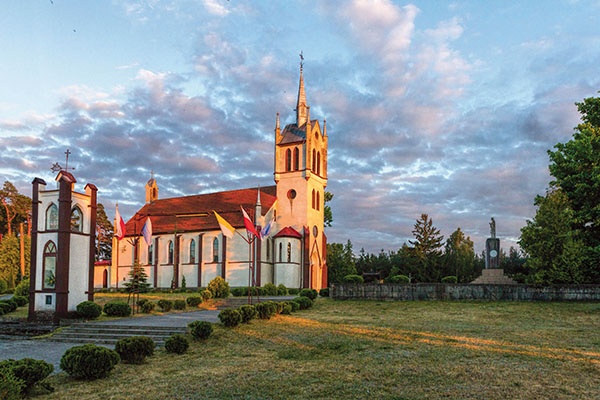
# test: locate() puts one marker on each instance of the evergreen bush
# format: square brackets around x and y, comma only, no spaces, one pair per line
[9,305]
[219,288]
[179,304]
[206,295]
[193,301]
[399,279]
[285,308]
[295,306]
[2,312]
[177,343]
[304,302]
[117,309]
[89,310]
[11,387]
[353,278]
[147,307]
[449,279]
[88,361]
[22,288]
[135,349]
[165,305]
[266,309]
[3,286]
[28,370]
[230,317]
[282,290]
[141,302]
[21,300]
[248,312]
[293,291]
[324,292]
[310,293]
[200,330]
[269,289]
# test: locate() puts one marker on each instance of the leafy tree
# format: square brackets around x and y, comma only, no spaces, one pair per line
[459,257]
[328,219]
[427,249]
[104,236]
[340,261]
[15,209]
[514,264]
[10,259]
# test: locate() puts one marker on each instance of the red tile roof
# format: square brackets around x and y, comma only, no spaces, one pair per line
[195,213]
[288,231]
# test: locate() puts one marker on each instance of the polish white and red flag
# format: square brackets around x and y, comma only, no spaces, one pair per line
[119,225]
[248,223]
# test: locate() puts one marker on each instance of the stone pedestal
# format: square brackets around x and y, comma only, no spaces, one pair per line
[492,253]
[493,277]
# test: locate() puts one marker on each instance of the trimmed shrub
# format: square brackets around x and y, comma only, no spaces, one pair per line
[193,301]
[179,304]
[269,289]
[238,291]
[399,279]
[147,307]
[286,308]
[117,309]
[27,370]
[219,288]
[177,344]
[2,312]
[135,349]
[310,293]
[248,312]
[352,278]
[89,310]
[282,290]
[266,309]
[165,305]
[230,317]
[295,306]
[12,305]
[206,295]
[3,286]
[293,291]
[449,279]
[141,302]
[11,387]
[6,307]
[22,288]
[304,302]
[200,330]
[88,361]
[21,300]
[324,292]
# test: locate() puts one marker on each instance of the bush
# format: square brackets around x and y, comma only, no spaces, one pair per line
[2,312]
[89,361]
[21,300]
[304,302]
[193,301]
[206,295]
[117,309]
[230,317]
[285,308]
[141,302]
[295,305]
[449,279]
[22,288]
[266,310]
[352,278]
[11,387]
[177,344]
[282,290]
[399,279]
[324,292]
[248,312]
[3,286]
[293,291]
[135,349]
[269,289]
[6,307]
[310,293]
[147,307]
[28,371]
[165,305]
[179,304]
[200,330]
[89,310]
[219,288]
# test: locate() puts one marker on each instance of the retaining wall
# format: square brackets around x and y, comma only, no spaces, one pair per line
[440,291]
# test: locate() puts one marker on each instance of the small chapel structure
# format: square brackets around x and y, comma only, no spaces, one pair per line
[187,242]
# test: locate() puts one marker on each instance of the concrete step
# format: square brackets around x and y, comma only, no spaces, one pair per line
[111,334]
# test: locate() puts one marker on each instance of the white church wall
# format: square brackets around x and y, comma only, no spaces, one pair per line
[190,271]
[78,271]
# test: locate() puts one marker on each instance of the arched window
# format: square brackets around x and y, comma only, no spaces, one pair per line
[192,251]
[313,199]
[150,253]
[280,252]
[49,266]
[76,219]
[170,259]
[319,163]
[318,201]
[314,160]
[289,252]
[288,160]
[268,249]
[216,250]
[296,159]
[52,217]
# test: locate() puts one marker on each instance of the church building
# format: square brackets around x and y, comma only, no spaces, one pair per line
[187,244]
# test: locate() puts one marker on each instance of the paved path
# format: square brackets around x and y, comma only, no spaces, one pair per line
[41,349]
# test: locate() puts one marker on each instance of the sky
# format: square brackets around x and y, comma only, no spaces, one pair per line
[442,108]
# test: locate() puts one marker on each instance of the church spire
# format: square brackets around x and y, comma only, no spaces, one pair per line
[301,107]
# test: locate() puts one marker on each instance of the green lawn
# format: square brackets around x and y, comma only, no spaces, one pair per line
[391,350]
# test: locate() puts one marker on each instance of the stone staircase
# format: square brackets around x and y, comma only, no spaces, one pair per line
[109,334]
[493,276]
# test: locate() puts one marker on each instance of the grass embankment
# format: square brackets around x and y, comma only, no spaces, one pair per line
[357,350]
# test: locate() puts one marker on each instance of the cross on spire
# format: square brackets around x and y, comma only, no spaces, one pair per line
[56,167]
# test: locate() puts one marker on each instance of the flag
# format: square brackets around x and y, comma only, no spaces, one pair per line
[267,221]
[120,225]
[248,223]
[147,231]
[226,228]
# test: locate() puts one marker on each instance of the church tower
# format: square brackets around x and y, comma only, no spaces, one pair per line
[300,173]
[151,189]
